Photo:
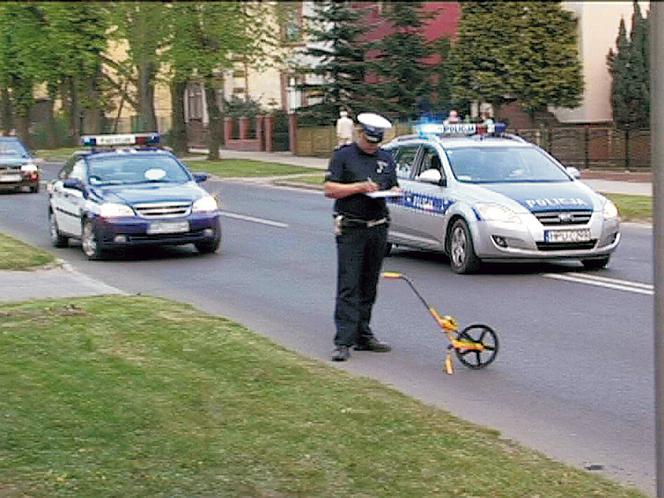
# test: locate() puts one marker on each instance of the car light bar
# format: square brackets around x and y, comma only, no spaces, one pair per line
[120,139]
[460,129]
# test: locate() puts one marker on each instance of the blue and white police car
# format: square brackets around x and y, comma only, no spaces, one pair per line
[125,191]
[477,193]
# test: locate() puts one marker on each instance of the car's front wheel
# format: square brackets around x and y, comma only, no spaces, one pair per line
[461,251]
[212,245]
[596,264]
[90,243]
[57,239]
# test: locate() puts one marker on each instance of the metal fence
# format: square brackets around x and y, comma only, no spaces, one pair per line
[593,147]
[581,146]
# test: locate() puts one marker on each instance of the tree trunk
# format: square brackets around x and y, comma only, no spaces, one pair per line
[92,113]
[23,104]
[179,140]
[214,117]
[74,112]
[7,114]
[51,131]
[147,120]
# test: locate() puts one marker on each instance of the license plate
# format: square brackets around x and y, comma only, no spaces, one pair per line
[168,227]
[10,178]
[557,236]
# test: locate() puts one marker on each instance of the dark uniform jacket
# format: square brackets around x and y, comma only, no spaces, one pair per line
[350,164]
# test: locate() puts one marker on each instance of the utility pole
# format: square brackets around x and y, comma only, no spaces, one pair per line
[657,161]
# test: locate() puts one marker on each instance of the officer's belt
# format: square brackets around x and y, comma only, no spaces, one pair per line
[356,222]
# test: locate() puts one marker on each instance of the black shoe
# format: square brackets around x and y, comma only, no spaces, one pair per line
[374,345]
[341,353]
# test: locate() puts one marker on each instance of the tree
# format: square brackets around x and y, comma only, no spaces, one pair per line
[531,55]
[142,27]
[630,71]
[403,74]
[443,73]
[335,69]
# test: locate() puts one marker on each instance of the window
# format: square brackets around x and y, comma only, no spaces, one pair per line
[195,101]
[430,160]
[78,171]
[405,159]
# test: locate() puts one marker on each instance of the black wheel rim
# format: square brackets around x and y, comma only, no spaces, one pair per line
[481,334]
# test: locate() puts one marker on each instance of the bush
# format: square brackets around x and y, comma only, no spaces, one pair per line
[39,134]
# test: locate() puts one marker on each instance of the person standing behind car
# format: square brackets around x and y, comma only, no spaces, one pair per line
[361,224]
[344,129]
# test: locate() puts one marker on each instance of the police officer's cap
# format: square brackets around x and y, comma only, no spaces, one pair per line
[373,125]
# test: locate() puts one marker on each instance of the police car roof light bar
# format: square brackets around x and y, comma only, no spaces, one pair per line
[117,140]
[460,129]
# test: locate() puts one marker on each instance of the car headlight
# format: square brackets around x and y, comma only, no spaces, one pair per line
[610,210]
[29,168]
[495,212]
[205,204]
[114,210]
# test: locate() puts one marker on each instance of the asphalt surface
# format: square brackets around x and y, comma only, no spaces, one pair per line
[570,379]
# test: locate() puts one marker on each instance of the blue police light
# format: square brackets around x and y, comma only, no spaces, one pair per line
[115,140]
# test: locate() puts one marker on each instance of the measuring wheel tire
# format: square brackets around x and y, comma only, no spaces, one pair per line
[487,337]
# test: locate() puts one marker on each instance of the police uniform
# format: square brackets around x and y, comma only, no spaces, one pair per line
[361,224]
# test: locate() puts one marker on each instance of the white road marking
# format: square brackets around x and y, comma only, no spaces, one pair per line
[609,283]
[262,221]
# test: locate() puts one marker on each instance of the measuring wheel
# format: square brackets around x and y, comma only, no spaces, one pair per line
[482,334]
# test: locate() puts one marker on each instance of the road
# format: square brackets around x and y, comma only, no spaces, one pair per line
[567,380]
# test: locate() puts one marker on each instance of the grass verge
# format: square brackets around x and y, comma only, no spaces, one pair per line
[139,396]
[633,207]
[226,168]
[16,255]
[56,155]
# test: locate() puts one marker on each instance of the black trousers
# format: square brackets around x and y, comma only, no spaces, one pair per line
[360,252]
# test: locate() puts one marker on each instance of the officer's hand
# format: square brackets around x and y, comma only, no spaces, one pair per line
[369,186]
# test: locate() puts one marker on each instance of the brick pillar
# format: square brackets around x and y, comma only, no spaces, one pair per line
[259,132]
[244,127]
[269,132]
[292,132]
[228,129]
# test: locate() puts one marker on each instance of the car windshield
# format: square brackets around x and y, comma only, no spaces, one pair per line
[503,165]
[134,169]
[12,148]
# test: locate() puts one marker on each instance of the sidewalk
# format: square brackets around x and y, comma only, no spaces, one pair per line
[610,182]
[50,283]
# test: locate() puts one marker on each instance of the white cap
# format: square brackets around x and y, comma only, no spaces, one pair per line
[374,120]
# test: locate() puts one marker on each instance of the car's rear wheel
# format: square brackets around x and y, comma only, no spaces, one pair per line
[461,251]
[596,264]
[90,243]
[212,245]
[57,239]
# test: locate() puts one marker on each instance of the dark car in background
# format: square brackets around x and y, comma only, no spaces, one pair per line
[18,169]
[126,192]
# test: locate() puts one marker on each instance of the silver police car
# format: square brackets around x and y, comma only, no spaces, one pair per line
[476,193]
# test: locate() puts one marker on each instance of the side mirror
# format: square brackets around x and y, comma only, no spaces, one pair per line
[573,172]
[432,176]
[201,177]
[74,183]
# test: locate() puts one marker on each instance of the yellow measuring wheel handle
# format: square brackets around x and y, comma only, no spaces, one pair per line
[391,274]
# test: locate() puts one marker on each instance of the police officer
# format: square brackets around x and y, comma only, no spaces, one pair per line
[361,223]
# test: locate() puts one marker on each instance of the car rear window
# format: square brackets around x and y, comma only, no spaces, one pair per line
[503,165]
[134,168]
[12,148]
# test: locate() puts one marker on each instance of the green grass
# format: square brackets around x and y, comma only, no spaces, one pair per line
[226,168]
[56,155]
[633,207]
[15,255]
[139,396]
